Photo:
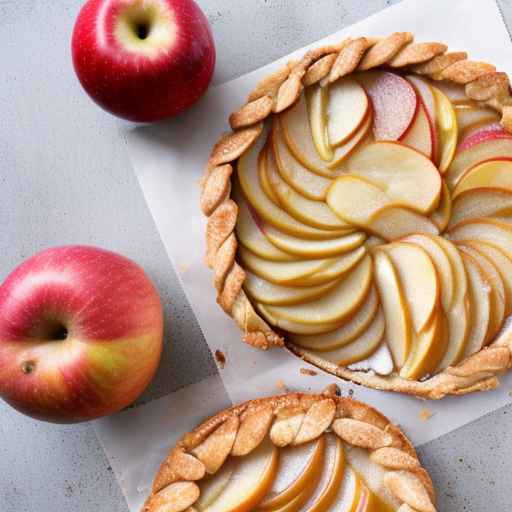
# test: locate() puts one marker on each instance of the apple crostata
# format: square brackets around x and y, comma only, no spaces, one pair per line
[293,452]
[359,214]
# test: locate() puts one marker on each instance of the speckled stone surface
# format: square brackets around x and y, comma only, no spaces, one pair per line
[65,178]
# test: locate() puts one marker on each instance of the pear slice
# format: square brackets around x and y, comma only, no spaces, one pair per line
[313,248]
[441,263]
[249,232]
[361,347]
[314,213]
[304,181]
[418,280]
[497,291]
[347,108]
[278,295]
[442,214]
[481,202]
[298,467]
[398,321]
[446,128]
[490,174]
[250,481]
[299,138]
[479,293]
[247,172]
[407,176]
[317,98]
[338,304]
[346,333]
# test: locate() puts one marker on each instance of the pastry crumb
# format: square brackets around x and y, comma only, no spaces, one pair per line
[183,268]
[220,358]
[307,371]
[425,414]
[281,385]
[332,390]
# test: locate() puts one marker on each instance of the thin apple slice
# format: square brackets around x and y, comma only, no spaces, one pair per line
[442,214]
[373,241]
[419,134]
[357,140]
[489,174]
[314,213]
[497,289]
[350,492]
[346,109]
[428,348]
[393,222]
[250,482]
[404,174]
[266,292]
[418,280]
[250,184]
[398,321]
[313,248]
[298,467]
[394,103]
[479,136]
[264,179]
[447,129]
[279,272]
[454,92]
[304,181]
[479,293]
[346,333]
[468,115]
[442,264]
[299,138]
[361,348]
[488,148]
[338,304]
[250,234]
[212,486]
[481,129]
[503,264]
[481,202]
[317,98]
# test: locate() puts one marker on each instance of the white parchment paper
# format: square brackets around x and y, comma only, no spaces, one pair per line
[169,159]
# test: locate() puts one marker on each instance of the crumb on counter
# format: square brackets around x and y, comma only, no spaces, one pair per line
[183,268]
[425,414]
[281,385]
[220,358]
[307,371]
[332,390]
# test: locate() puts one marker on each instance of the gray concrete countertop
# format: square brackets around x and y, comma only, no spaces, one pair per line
[65,178]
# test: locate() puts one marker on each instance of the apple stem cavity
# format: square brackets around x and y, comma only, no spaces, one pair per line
[27,367]
[142,30]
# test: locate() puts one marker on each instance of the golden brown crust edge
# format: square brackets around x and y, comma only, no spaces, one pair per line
[277,92]
[290,419]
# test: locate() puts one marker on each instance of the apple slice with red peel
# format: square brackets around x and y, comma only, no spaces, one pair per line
[346,333]
[294,173]
[313,248]
[396,313]
[247,172]
[317,98]
[360,348]
[488,174]
[249,232]
[250,482]
[481,202]
[347,107]
[470,115]
[394,103]
[299,137]
[278,295]
[487,147]
[337,305]
[442,214]
[419,135]
[497,289]
[479,136]
[299,467]
[479,293]
[447,129]
[407,176]
[479,128]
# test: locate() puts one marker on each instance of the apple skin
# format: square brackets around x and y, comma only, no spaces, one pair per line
[81,333]
[143,79]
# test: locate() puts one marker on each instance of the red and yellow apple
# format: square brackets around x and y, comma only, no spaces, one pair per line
[143,60]
[81,332]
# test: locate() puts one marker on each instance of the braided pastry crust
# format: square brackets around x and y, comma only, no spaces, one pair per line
[277,92]
[290,420]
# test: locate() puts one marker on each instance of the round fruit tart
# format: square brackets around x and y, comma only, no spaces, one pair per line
[313,453]
[359,214]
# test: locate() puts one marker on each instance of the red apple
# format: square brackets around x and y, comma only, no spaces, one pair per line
[80,334]
[143,60]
